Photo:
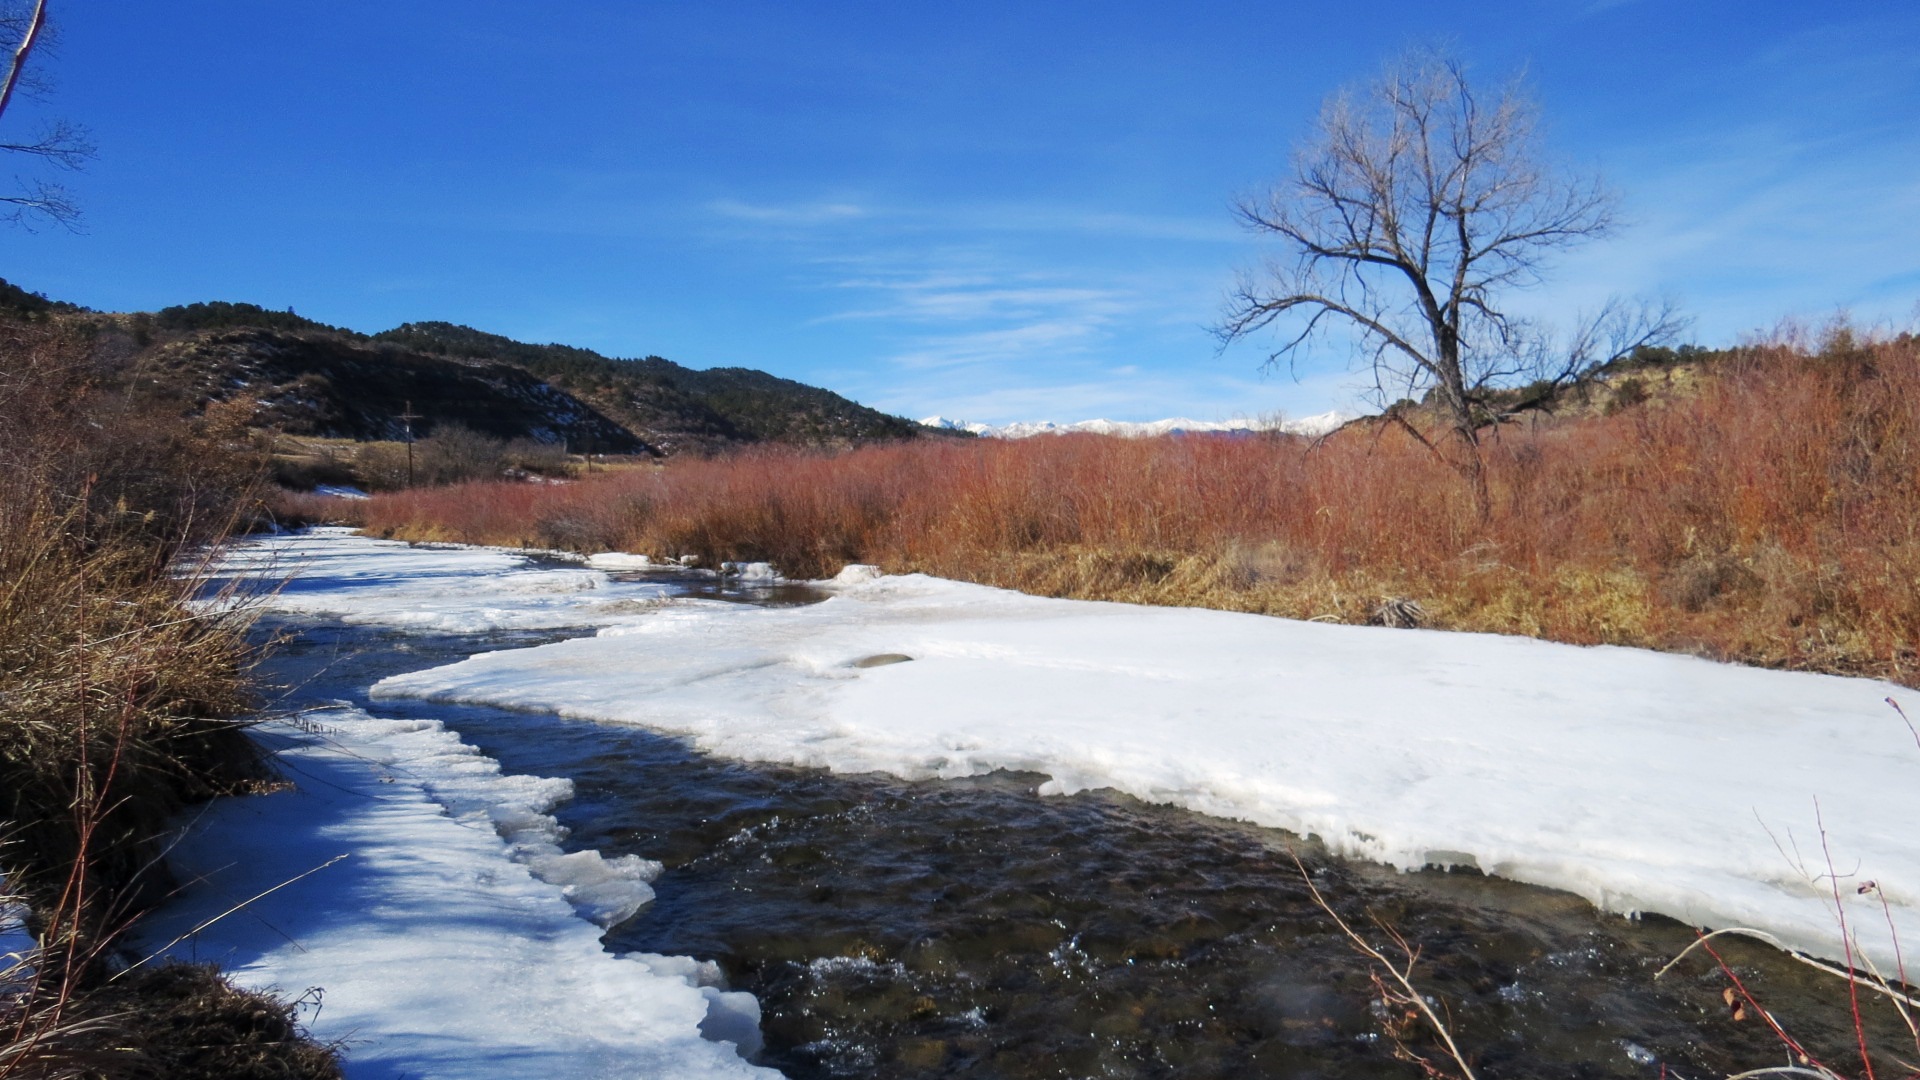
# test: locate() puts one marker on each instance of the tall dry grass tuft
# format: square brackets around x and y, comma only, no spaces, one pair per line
[117,701]
[1760,505]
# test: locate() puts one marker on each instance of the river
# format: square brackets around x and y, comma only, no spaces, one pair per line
[974,928]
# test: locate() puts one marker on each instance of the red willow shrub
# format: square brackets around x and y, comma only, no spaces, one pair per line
[1766,509]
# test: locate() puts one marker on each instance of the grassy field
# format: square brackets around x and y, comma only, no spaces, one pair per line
[1761,505]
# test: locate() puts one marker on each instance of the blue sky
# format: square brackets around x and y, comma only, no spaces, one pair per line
[993,211]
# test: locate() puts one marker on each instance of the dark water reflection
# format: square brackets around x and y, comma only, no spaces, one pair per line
[973,929]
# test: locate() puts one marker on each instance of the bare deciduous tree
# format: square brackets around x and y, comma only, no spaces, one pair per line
[58,143]
[1415,209]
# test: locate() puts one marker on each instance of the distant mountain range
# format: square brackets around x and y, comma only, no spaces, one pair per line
[1307,425]
[305,377]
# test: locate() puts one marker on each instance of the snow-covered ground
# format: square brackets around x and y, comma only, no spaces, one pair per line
[1318,424]
[340,491]
[1642,781]
[443,588]
[441,950]
[425,892]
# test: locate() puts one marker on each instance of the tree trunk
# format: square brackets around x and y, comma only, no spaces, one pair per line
[1453,396]
[1474,469]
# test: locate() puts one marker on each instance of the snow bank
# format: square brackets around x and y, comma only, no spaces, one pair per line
[441,951]
[431,587]
[1641,781]
[340,491]
[470,786]
[619,560]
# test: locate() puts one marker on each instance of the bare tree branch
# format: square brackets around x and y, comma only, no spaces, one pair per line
[59,143]
[21,52]
[40,199]
[62,143]
[1415,207]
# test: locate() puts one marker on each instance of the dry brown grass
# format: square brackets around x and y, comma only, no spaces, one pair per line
[1770,514]
[186,1022]
[118,697]
[116,703]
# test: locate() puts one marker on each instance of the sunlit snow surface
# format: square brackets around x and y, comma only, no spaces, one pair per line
[434,587]
[424,891]
[439,955]
[1643,781]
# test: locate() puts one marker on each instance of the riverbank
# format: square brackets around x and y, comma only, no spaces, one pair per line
[1633,778]
[1641,781]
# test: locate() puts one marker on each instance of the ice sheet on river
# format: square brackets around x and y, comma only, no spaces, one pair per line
[1642,781]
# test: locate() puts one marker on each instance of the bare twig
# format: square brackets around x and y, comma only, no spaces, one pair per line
[1401,991]
[1795,954]
[241,906]
[1915,732]
[1846,943]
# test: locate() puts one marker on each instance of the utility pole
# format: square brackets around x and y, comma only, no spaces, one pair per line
[407,418]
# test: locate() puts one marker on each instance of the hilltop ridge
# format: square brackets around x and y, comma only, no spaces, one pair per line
[310,378]
[670,406]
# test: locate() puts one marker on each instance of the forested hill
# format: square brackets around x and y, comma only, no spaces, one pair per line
[670,406]
[334,381]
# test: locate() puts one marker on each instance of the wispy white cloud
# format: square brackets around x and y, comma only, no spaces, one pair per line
[992,315]
[1004,312]
[981,218]
[1210,230]
[819,213]
[1000,347]
[1750,225]
[1597,7]
[948,299]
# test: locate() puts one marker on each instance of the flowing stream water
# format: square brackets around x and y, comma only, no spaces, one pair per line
[971,928]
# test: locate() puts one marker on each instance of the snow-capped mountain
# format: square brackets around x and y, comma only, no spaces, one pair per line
[1307,425]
